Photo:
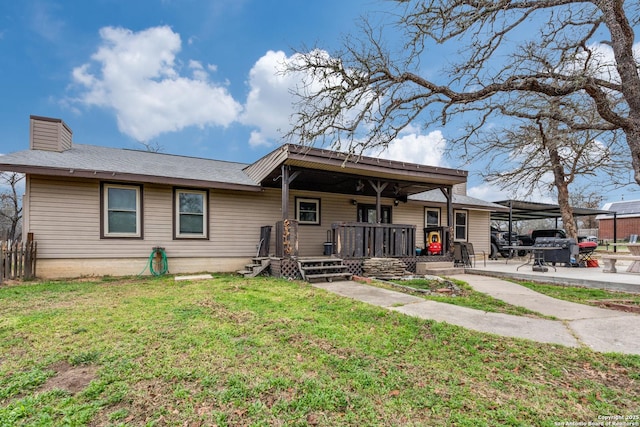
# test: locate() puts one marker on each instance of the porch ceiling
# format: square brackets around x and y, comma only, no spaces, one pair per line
[342,183]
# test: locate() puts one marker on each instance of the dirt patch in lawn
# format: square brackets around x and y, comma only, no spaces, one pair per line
[621,305]
[72,379]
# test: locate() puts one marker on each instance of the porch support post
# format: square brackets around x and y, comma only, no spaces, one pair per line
[378,187]
[287,179]
[285,191]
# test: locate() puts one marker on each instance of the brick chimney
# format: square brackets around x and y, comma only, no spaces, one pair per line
[49,134]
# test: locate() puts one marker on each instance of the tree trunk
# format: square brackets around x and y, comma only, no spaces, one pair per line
[566,211]
[560,180]
[622,41]
[633,140]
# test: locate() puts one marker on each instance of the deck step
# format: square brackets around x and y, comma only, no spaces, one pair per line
[326,267]
[328,276]
[257,267]
[323,268]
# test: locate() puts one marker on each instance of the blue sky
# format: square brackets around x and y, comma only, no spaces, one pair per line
[195,77]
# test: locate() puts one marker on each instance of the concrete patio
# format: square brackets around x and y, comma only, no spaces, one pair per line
[592,277]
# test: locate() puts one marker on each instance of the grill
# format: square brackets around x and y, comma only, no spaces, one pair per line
[566,250]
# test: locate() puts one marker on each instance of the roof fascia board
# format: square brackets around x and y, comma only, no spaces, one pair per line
[116,176]
[320,159]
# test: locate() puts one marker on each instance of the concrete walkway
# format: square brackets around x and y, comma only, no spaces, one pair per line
[577,325]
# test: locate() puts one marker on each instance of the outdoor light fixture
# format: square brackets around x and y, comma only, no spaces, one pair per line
[354,202]
[396,202]
[396,188]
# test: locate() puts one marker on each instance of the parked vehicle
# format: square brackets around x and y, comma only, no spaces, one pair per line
[500,243]
[548,232]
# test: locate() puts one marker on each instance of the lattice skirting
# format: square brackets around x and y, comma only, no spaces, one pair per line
[285,267]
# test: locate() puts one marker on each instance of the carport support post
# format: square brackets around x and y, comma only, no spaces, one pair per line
[615,231]
[510,220]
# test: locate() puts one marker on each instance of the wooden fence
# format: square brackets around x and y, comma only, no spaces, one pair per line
[18,260]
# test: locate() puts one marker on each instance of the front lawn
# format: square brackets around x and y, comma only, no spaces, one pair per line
[232,351]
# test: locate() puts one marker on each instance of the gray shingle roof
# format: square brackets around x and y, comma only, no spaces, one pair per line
[91,158]
[124,161]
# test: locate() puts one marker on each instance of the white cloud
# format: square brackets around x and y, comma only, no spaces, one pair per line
[416,148]
[602,61]
[138,78]
[488,192]
[492,193]
[269,104]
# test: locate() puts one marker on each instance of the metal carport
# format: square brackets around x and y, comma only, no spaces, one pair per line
[520,210]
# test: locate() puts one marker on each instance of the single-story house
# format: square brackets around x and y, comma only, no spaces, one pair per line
[627,220]
[101,211]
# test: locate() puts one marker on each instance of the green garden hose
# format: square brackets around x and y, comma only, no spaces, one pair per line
[162,266]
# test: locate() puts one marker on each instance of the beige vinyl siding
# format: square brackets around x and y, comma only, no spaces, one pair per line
[64,215]
[44,135]
[65,219]
[410,214]
[49,135]
[236,218]
[477,222]
[478,231]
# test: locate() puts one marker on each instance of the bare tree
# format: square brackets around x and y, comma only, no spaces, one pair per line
[587,197]
[364,95]
[544,154]
[152,147]
[10,205]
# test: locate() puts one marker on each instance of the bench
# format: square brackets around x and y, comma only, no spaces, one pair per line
[610,263]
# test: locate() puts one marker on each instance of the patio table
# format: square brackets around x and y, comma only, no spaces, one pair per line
[535,258]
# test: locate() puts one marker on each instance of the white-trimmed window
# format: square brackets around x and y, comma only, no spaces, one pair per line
[308,211]
[460,225]
[191,214]
[431,217]
[121,210]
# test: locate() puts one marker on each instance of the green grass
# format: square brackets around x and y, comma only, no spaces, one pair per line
[468,298]
[579,294]
[259,352]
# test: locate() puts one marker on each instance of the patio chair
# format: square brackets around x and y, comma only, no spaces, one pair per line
[471,254]
[457,254]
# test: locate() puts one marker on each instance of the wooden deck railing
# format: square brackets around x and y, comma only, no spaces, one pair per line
[364,240]
[18,260]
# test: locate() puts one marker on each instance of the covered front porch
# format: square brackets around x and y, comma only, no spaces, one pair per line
[351,208]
